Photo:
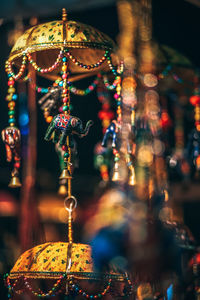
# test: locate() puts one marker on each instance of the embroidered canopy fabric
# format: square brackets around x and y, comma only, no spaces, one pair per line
[86,43]
[49,261]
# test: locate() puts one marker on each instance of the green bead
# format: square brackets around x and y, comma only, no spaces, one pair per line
[116,158]
[99,296]
[65,108]
[66,154]
[11,112]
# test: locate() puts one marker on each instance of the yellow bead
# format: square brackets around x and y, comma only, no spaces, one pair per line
[9,97]
[11,90]
[11,104]
[64,68]
[49,119]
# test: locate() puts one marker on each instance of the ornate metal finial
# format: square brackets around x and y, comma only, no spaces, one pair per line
[64,15]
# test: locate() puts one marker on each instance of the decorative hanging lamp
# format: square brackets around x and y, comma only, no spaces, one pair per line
[68,265]
[87,48]
[55,49]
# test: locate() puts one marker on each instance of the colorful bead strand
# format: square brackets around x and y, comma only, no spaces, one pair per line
[88,67]
[51,293]
[45,70]
[65,94]
[10,286]
[88,90]
[11,98]
[112,86]
[10,72]
[112,68]
[79,291]
[66,110]
[118,98]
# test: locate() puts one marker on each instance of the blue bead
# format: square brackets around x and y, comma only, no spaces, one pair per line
[91,297]
[11,120]
[64,59]
[61,83]
[14,97]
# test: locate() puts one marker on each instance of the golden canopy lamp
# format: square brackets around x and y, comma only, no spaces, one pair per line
[54,47]
[69,264]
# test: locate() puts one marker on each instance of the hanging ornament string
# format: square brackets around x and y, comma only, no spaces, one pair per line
[84,66]
[79,291]
[45,70]
[51,293]
[10,72]
[112,68]
[11,135]
[70,204]
[80,92]
[112,86]
[73,89]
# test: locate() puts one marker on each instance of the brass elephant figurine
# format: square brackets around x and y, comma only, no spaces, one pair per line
[11,137]
[65,125]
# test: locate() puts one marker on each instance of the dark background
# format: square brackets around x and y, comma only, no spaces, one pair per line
[175,23]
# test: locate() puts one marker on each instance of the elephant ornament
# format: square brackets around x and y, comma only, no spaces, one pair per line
[112,131]
[11,137]
[64,125]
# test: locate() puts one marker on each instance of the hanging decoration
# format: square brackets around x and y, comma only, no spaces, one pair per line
[68,264]
[103,156]
[69,47]
[193,147]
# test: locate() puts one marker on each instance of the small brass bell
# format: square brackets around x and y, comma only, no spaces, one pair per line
[132,179]
[62,191]
[116,173]
[65,174]
[14,182]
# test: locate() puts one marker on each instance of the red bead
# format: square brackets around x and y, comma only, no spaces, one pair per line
[195,99]
[11,82]
[17,165]
[165,121]
[115,151]
[64,76]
